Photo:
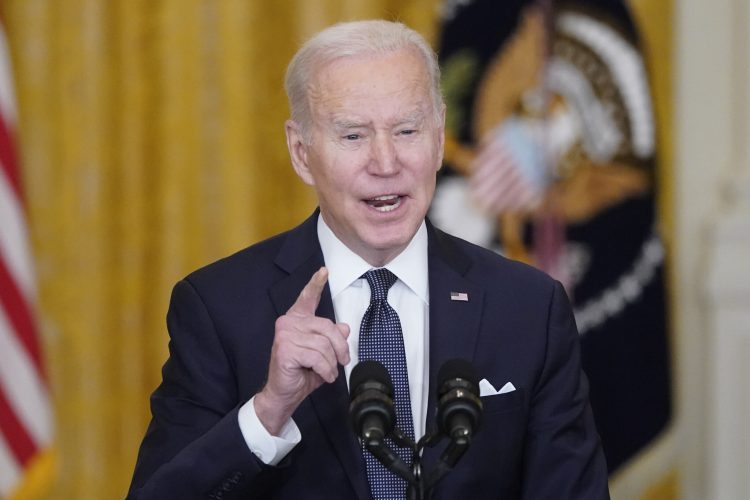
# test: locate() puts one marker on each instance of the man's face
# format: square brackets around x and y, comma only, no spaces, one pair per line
[375,148]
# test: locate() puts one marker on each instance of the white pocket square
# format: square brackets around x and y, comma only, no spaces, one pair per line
[487,389]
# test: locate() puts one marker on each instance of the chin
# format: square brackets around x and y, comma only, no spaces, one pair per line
[390,239]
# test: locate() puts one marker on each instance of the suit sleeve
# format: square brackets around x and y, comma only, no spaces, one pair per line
[193,447]
[563,456]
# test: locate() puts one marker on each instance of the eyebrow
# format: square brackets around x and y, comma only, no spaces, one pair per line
[347,124]
[415,117]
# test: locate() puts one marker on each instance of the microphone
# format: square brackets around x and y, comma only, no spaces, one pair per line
[459,414]
[373,415]
[459,407]
[371,409]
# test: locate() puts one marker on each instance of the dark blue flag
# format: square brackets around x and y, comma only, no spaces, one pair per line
[551,159]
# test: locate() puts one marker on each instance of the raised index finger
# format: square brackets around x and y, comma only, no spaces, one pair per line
[309,297]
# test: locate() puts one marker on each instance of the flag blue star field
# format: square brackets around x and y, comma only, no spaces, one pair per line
[551,159]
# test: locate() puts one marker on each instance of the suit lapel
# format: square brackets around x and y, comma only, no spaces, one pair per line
[301,256]
[454,324]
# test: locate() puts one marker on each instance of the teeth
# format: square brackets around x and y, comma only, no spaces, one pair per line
[388,208]
[385,203]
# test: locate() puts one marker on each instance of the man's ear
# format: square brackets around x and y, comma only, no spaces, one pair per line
[297,146]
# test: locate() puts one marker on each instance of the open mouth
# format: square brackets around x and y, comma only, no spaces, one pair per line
[385,203]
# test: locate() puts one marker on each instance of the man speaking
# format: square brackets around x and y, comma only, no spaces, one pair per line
[254,397]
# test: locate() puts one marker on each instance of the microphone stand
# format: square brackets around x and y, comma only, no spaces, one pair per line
[420,485]
[423,486]
[455,450]
[415,488]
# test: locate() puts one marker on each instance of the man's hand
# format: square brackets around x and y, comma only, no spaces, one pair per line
[306,352]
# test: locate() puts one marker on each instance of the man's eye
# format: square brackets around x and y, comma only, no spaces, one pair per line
[408,132]
[352,137]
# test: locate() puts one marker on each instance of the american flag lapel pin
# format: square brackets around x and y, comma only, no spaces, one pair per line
[460,296]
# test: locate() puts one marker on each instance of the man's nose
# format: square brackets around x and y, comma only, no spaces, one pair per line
[384,157]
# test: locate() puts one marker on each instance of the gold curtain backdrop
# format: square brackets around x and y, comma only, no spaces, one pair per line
[151,136]
[151,139]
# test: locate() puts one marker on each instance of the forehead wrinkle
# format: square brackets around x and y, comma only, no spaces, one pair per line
[329,99]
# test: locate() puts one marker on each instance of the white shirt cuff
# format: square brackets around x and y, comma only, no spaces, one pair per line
[269,449]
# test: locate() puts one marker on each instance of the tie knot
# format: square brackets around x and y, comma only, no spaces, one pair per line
[380,281]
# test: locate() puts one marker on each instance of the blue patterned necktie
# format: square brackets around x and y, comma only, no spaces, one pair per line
[381,339]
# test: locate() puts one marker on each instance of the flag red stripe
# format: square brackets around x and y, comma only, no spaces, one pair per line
[15,430]
[15,433]
[8,158]
[20,317]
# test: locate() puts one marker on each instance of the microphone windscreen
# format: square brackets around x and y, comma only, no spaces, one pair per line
[457,368]
[370,371]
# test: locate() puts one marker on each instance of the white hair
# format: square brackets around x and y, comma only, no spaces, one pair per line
[356,38]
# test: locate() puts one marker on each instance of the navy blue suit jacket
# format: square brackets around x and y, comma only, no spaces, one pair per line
[537,442]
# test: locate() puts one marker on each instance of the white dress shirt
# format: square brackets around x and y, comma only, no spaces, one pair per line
[409,296]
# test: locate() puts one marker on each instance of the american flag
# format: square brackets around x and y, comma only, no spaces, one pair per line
[25,409]
[498,183]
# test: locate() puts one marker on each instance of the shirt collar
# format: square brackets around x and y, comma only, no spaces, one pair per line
[345,267]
